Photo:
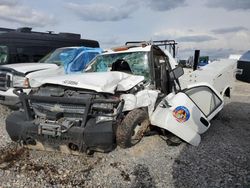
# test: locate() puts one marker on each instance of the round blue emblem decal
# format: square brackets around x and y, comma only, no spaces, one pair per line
[181,114]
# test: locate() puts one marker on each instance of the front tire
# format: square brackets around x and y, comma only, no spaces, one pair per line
[132,128]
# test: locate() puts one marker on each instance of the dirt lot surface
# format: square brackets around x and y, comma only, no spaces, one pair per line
[221,160]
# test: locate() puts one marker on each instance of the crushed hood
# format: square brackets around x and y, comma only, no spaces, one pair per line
[26,68]
[106,82]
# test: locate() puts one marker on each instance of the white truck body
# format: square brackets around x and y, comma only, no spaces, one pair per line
[189,124]
[186,114]
[220,74]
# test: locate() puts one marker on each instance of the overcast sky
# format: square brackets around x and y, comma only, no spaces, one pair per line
[216,27]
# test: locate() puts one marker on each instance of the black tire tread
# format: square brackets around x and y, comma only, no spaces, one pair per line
[125,129]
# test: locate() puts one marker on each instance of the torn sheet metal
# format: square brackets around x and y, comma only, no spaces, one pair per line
[144,98]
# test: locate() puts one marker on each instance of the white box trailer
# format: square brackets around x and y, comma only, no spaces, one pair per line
[220,74]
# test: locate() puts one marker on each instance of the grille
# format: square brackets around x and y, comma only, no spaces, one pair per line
[5,80]
[42,109]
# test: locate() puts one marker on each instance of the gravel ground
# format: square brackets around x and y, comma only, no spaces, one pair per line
[221,160]
[4,138]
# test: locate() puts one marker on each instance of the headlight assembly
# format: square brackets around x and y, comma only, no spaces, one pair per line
[106,107]
[20,82]
[105,111]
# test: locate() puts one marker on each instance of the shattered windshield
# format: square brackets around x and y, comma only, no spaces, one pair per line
[3,54]
[60,56]
[137,62]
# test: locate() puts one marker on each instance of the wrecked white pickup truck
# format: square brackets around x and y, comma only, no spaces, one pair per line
[59,62]
[120,95]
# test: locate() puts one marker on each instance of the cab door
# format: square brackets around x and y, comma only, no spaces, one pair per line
[187,114]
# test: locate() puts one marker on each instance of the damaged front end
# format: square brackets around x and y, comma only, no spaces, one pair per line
[60,118]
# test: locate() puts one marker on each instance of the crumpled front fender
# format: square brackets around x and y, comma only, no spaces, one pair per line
[163,118]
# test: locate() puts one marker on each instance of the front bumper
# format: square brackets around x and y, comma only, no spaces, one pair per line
[94,137]
[88,134]
[8,98]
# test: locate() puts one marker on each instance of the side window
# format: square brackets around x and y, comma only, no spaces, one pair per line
[31,54]
[39,52]
[3,54]
[206,100]
[22,55]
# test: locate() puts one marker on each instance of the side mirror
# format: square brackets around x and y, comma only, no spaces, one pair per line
[176,73]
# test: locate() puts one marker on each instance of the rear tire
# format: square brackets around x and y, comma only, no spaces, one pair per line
[132,128]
